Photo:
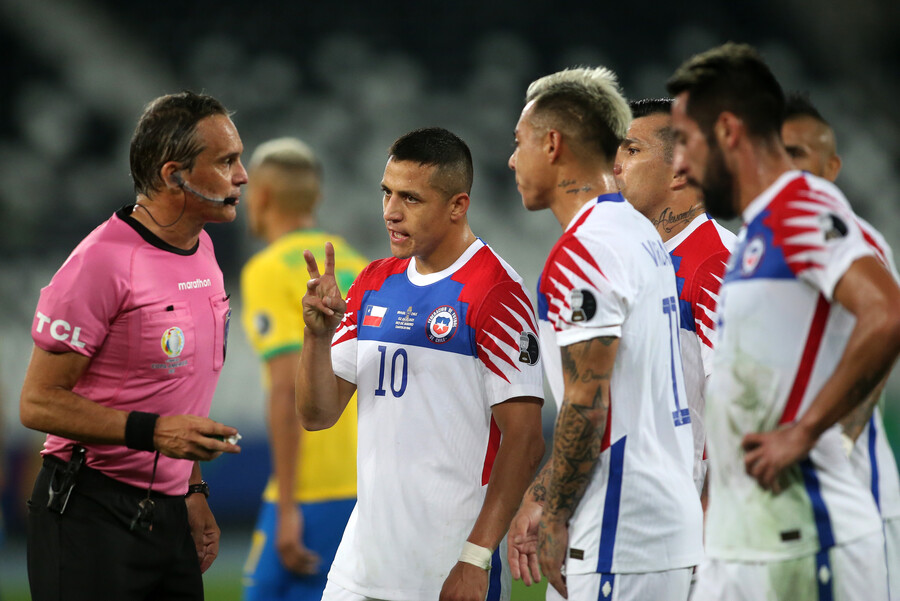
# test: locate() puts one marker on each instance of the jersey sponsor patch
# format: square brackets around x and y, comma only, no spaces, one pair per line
[528,348]
[374,316]
[441,324]
[60,329]
[584,305]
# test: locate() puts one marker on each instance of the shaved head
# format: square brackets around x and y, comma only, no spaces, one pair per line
[809,139]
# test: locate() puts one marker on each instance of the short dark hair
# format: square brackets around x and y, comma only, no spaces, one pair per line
[584,103]
[734,78]
[650,106]
[657,106]
[441,148]
[167,132]
[798,104]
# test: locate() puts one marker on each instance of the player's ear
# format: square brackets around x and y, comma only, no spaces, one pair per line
[728,129]
[459,206]
[832,167]
[553,144]
[679,182]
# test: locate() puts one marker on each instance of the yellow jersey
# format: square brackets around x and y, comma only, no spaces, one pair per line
[273,283]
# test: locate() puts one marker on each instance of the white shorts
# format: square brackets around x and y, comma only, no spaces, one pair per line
[852,572]
[335,592]
[892,547]
[671,585]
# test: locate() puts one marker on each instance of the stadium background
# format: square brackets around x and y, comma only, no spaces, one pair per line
[349,77]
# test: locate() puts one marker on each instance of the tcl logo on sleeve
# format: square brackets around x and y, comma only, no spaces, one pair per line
[59,329]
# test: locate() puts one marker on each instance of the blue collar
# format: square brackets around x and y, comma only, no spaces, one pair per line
[613,197]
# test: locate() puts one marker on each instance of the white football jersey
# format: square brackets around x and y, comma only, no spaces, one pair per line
[780,336]
[699,254]
[430,355]
[610,275]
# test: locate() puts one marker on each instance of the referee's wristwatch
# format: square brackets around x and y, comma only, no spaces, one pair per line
[202,488]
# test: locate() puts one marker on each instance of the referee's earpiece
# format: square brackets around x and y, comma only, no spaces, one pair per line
[176,180]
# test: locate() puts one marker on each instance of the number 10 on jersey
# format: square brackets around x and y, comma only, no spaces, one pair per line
[399,361]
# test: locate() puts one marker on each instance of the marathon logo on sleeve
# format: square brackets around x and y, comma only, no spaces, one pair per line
[60,329]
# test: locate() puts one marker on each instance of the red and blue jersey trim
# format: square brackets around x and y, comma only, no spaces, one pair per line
[699,263]
[610,524]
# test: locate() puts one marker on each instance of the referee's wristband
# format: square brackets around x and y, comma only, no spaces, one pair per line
[476,555]
[139,428]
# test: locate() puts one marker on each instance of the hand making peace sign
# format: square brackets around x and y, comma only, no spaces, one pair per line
[323,306]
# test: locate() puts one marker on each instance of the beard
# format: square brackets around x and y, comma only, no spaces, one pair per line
[718,186]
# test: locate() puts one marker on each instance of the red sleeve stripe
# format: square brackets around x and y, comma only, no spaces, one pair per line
[873,244]
[807,361]
[344,332]
[525,310]
[491,454]
[511,321]
[582,264]
[795,224]
[498,347]
[604,441]
[489,359]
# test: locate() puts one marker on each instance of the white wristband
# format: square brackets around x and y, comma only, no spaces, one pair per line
[475,555]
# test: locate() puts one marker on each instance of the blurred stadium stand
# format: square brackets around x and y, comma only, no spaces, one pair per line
[349,77]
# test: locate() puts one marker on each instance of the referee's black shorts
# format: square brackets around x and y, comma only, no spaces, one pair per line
[88,553]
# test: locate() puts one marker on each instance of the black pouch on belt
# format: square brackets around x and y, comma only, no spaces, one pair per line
[62,481]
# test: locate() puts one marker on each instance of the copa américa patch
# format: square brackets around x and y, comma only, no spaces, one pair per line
[583,303]
[529,350]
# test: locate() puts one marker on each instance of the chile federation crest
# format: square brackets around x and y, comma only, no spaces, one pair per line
[441,324]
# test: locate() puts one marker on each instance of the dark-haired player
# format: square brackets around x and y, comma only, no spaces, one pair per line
[811,142]
[440,344]
[808,327]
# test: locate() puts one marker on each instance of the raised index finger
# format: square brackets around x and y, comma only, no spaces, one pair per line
[311,266]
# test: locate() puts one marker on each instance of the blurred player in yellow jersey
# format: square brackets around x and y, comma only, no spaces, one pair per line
[312,490]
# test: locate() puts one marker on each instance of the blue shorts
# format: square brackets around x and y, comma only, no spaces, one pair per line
[266,578]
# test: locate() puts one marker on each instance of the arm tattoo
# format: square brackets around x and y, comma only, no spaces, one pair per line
[538,488]
[855,421]
[579,431]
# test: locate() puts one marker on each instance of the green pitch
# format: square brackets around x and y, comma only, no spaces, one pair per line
[225,585]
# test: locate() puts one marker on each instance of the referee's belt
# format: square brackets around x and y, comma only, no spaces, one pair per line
[90,479]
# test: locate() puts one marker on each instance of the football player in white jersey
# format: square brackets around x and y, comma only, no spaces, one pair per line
[698,244]
[440,343]
[808,326]
[810,141]
[615,513]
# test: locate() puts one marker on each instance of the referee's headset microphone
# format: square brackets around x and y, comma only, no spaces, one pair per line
[179,181]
